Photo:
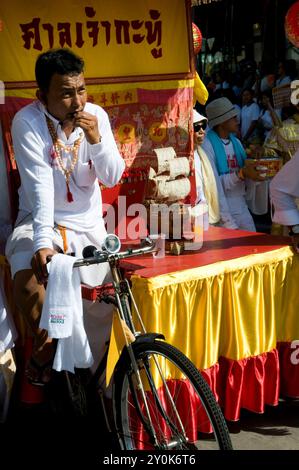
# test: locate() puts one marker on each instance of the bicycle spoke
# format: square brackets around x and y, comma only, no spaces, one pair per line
[182,409]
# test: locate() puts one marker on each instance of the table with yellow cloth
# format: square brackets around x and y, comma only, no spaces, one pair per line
[233,309]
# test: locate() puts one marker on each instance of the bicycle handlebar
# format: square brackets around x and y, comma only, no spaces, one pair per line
[147,245]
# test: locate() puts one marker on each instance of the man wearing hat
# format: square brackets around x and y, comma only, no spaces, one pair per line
[228,155]
[208,186]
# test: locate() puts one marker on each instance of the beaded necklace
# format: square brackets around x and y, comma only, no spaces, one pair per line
[58,147]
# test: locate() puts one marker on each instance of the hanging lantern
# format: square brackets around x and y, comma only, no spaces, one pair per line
[197,38]
[292,24]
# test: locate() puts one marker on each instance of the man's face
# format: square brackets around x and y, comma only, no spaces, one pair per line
[199,131]
[231,125]
[246,97]
[66,95]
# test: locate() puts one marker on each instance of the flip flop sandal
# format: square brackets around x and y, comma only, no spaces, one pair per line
[40,369]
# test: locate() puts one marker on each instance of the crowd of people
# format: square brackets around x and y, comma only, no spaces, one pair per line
[242,123]
[250,90]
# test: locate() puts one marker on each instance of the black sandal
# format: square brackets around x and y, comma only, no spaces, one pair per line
[40,370]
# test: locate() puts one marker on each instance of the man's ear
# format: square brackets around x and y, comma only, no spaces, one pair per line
[41,96]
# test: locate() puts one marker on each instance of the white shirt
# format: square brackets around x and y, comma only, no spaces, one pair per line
[283,81]
[284,189]
[248,114]
[43,186]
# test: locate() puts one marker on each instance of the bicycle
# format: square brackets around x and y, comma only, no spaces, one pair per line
[153,382]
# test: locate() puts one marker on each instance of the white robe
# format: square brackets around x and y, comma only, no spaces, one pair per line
[284,189]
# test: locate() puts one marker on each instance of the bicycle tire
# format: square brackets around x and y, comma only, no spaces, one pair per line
[131,419]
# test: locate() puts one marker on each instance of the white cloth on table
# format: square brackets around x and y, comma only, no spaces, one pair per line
[62,315]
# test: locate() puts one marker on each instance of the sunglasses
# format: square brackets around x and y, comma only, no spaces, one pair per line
[201,125]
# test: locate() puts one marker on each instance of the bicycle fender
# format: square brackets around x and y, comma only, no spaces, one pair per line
[143,338]
[149,337]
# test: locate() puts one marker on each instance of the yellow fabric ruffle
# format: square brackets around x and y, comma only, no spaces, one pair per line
[200,93]
[236,309]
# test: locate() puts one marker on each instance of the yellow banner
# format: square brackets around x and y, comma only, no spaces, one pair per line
[116,38]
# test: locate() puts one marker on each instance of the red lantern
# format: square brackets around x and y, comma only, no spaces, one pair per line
[292,24]
[197,38]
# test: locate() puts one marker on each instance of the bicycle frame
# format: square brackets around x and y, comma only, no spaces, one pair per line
[122,292]
[138,372]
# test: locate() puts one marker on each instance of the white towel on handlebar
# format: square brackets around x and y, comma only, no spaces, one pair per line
[62,315]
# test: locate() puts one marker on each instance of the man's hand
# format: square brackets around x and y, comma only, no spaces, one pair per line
[89,123]
[39,264]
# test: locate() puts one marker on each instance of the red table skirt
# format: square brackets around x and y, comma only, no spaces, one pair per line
[248,383]
[254,382]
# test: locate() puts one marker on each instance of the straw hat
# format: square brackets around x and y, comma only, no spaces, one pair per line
[219,111]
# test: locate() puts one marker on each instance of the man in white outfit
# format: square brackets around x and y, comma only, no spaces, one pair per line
[228,155]
[284,191]
[62,145]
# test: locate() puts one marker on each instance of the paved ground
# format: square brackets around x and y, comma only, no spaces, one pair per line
[276,429]
[33,438]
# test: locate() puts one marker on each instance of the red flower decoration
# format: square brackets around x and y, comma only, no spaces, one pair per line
[197,38]
[292,24]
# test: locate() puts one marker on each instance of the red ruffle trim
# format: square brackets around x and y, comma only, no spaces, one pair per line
[249,383]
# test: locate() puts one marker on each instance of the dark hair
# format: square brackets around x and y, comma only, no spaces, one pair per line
[249,90]
[61,61]
[268,94]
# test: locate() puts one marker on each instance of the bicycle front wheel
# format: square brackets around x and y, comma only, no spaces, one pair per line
[180,411]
